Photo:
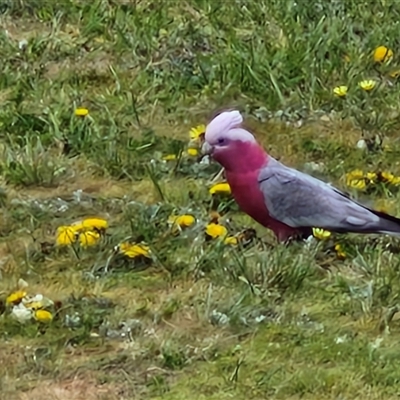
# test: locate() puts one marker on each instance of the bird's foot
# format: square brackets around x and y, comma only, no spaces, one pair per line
[292,239]
[298,236]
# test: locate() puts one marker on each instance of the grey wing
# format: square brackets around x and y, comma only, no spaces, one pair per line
[299,200]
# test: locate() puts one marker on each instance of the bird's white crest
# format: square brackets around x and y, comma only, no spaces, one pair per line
[227,124]
[242,135]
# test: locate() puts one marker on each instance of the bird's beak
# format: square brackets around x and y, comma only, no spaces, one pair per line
[206,149]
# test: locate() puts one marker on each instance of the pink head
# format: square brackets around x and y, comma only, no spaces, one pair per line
[235,148]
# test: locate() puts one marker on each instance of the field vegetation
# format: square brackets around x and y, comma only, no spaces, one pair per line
[127,271]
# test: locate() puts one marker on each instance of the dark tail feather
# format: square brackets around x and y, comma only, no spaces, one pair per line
[388,223]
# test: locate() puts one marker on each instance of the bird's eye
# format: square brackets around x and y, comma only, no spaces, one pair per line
[221,141]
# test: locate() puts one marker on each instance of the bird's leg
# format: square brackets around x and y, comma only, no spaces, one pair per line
[297,237]
[287,242]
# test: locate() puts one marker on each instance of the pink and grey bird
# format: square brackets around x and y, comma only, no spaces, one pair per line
[280,198]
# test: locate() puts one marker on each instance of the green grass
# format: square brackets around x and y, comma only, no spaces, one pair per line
[202,320]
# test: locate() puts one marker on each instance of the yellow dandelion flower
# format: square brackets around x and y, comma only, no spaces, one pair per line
[89,238]
[90,223]
[340,252]
[321,234]
[43,316]
[231,240]
[220,188]
[197,132]
[81,112]
[387,176]
[66,235]
[134,250]
[215,230]
[396,181]
[183,221]
[367,84]
[383,54]
[371,176]
[341,91]
[355,174]
[192,152]
[16,297]
[356,179]
[358,184]
[169,157]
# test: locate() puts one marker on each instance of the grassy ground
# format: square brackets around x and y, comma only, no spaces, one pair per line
[198,319]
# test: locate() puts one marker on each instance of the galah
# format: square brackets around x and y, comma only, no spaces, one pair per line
[285,200]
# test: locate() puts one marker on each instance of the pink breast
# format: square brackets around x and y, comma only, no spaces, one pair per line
[247,194]
[250,199]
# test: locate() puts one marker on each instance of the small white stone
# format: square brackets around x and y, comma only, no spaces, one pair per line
[22,284]
[22,44]
[362,144]
[205,160]
[340,339]
[37,297]
[325,118]
[298,123]
[260,318]
[21,313]
[310,240]
[314,167]
[376,343]
[78,195]
[218,318]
